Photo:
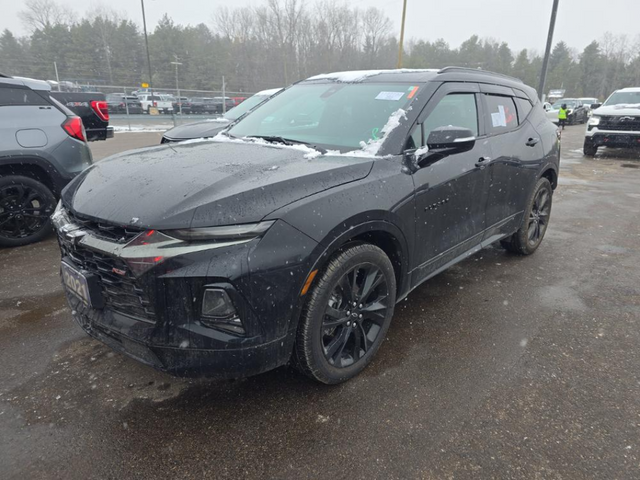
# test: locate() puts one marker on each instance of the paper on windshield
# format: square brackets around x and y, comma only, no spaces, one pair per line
[499,119]
[392,96]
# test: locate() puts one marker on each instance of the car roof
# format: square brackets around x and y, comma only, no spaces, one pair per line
[27,82]
[631,89]
[410,75]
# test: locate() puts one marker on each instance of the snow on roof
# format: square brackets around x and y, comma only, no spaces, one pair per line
[270,92]
[356,76]
[632,89]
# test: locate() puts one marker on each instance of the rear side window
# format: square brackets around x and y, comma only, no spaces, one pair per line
[19,96]
[501,114]
[524,107]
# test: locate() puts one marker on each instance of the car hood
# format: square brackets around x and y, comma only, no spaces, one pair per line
[205,184]
[618,110]
[197,130]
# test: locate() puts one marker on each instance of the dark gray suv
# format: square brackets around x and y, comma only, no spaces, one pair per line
[42,147]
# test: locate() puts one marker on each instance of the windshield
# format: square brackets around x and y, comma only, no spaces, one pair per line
[245,106]
[623,98]
[331,115]
[568,103]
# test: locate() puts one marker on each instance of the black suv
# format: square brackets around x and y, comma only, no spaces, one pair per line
[293,235]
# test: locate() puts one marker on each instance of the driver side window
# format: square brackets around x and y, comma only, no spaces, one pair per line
[456,110]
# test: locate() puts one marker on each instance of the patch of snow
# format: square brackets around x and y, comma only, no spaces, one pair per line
[141,128]
[361,75]
[422,151]
[218,120]
[309,153]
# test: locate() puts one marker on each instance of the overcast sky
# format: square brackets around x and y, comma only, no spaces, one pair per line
[521,23]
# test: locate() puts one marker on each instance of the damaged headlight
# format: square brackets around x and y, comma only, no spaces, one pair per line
[221,234]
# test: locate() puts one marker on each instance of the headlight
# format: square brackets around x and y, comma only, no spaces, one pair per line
[594,120]
[221,234]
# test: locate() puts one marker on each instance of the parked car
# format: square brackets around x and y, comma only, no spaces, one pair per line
[121,103]
[588,102]
[616,123]
[289,239]
[182,105]
[211,127]
[577,112]
[163,105]
[42,147]
[203,105]
[223,106]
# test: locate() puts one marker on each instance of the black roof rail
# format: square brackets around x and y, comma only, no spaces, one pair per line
[475,70]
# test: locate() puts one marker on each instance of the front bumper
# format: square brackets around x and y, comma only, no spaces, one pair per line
[614,139]
[155,317]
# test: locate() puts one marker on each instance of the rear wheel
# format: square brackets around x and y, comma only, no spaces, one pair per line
[535,222]
[347,315]
[26,206]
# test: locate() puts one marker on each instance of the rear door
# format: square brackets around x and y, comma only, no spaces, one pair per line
[450,193]
[517,154]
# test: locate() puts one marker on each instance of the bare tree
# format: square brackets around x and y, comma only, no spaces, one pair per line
[39,14]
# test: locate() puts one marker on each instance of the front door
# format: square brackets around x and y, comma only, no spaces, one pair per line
[450,193]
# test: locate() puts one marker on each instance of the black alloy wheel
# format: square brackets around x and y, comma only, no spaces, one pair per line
[535,222]
[347,316]
[539,216]
[26,206]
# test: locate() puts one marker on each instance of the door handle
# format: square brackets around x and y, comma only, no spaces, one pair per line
[532,142]
[482,161]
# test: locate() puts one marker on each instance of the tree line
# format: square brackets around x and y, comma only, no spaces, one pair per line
[280,42]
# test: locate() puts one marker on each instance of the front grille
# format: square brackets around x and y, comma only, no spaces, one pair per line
[106,231]
[623,124]
[122,292]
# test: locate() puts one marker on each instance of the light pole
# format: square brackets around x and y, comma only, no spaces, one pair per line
[177,63]
[146,41]
[547,52]
[401,47]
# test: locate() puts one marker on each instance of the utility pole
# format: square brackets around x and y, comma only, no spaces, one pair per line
[55,66]
[146,41]
[224,98]
[400,49]
[547,52]
[177,63]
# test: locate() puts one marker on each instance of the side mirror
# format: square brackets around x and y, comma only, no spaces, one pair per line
[595,105]
[442,142]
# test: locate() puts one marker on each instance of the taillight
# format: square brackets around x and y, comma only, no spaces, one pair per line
[101,109]
[74,127]
[155,104]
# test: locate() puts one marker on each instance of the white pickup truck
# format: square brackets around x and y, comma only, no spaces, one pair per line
[616,123]
[163,105]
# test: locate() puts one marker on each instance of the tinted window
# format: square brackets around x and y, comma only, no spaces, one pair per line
[501,114]
[524,107]
[20,96]
[456,110]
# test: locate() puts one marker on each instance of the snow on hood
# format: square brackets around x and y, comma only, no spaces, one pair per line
[309,153]
[361,75]
[624,106]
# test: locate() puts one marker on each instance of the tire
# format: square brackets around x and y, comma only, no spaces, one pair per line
[589,149]
[336,339]
[534,223]
[26,206]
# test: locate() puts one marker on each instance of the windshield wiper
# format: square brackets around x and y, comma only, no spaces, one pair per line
[286,141]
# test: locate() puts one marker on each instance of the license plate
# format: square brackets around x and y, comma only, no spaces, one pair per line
[84,287]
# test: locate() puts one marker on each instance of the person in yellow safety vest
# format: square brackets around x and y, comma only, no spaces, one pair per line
[562,115]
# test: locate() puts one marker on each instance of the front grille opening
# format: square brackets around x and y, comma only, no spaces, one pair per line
[122,291]
[106,231]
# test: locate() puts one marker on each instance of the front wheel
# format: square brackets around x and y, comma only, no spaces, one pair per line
[589,149]
[26,206]
[535,222]
[347,315]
